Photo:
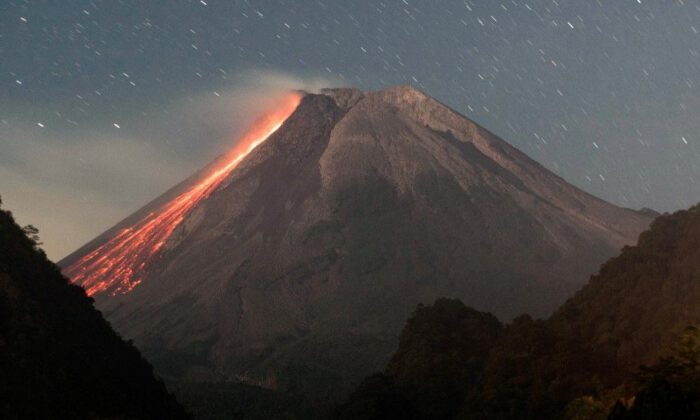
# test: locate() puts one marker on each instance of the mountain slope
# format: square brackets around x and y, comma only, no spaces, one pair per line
[647,295]
[301,266]
[440,358]
[58,357]
[629,314]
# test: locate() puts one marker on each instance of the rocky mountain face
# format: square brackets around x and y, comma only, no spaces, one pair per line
[58,357]
[581,363]
[303,264]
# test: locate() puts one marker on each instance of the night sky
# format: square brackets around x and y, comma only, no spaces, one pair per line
[105,104]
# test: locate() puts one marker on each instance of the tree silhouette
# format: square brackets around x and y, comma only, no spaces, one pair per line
[32,233]
[671,387]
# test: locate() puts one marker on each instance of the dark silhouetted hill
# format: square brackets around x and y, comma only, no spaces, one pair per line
[58,357]
[574,365]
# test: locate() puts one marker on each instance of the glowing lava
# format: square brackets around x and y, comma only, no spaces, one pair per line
[116,265]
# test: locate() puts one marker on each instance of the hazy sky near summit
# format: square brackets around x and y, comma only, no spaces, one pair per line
[106,103]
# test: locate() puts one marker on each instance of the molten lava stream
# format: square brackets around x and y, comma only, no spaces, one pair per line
[115,265]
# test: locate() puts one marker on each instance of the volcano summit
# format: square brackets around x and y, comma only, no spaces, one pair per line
[301,264]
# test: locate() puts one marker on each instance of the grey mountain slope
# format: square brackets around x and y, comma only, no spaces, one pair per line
[317,247]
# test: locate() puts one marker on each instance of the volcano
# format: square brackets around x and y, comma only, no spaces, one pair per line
[300,262]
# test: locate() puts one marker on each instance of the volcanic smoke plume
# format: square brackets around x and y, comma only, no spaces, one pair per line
[116,266]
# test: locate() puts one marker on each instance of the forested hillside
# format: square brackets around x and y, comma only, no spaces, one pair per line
[581,363]
[59,358]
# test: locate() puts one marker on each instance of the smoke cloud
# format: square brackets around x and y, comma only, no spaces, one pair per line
[75,183]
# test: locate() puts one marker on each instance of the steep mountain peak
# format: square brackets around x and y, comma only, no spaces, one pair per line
[345,98]
[425,118]
[406,98]
[403,94]
[324,238]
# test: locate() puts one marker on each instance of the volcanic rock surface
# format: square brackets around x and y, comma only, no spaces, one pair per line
[304,263]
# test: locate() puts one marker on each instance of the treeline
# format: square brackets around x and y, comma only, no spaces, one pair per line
[59,358]
[582,363]
[456,363]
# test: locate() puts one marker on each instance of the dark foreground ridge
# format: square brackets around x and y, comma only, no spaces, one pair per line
[582,363]
[58,357]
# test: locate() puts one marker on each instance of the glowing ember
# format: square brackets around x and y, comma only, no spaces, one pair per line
[115,266]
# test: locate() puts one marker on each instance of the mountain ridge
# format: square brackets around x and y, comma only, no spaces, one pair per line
[58,356]
[583,362]
[361,205]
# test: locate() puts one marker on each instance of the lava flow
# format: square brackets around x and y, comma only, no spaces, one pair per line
[116,265]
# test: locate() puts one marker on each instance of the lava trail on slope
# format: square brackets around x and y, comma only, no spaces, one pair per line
[115,266]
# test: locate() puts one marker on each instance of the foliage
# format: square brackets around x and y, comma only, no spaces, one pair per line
[586,408]
[58,357]
[670,387]
[378,398]
[238,401]
[33,234]
[532,373]
[441,357]
[573,365]
[642,300]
